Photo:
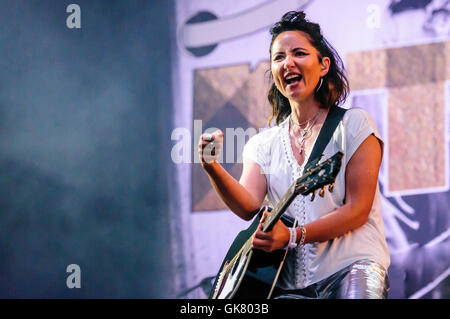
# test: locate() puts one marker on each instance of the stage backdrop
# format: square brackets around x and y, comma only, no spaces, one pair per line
[397,55]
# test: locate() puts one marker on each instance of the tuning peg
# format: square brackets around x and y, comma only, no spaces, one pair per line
[313,194]
[331,187]
[322,192]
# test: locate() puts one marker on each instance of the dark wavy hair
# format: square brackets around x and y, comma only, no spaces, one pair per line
[335,87]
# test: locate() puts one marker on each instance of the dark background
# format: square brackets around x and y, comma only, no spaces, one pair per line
[85,116]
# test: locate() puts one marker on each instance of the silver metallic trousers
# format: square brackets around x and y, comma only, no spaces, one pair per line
[364,279]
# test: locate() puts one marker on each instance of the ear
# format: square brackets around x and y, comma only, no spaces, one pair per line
[325,66]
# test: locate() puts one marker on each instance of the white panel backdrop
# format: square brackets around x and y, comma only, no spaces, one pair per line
[202,238]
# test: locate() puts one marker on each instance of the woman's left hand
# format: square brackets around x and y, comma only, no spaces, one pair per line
[275,239]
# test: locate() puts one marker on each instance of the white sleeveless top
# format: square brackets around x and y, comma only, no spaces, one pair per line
[310,263]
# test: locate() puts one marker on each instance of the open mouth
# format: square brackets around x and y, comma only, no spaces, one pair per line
[293,79]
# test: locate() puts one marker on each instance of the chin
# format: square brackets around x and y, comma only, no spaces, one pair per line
[296,97]
[300,96]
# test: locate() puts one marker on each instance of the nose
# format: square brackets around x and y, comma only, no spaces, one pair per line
[288,62]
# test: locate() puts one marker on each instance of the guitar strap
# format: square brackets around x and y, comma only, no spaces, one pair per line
[334,116]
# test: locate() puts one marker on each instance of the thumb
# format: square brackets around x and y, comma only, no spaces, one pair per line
[263,218]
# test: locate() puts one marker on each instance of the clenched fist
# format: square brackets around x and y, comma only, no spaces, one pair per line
[209,146]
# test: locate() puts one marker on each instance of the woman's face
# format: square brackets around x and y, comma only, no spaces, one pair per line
[295,65]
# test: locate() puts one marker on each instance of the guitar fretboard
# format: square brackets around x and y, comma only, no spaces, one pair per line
[280,208]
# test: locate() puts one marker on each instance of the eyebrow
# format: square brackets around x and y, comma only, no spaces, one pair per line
[293,50]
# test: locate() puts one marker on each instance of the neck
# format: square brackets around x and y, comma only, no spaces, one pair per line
[304,111]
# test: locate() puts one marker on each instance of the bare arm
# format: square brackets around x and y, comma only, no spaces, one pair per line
[361,182]
[245,197]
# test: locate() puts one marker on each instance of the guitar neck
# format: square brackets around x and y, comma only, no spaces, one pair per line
[279,209]
[317,176]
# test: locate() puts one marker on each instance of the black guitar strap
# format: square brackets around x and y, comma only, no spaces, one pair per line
[329,126]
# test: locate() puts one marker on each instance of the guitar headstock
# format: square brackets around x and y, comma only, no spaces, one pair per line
[319,176]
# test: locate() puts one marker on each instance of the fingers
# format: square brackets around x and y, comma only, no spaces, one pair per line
[272,240]
[261,222]
[259,234]
[207,137]
[216,136]
[209,146]
[262,241]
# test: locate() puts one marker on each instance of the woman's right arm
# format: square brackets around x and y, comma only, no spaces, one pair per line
[243,197]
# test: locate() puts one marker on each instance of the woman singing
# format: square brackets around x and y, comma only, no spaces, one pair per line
[339,248]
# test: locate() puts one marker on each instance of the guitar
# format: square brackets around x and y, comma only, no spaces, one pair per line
[252,273]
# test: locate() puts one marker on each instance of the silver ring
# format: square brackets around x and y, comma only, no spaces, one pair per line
[208,137]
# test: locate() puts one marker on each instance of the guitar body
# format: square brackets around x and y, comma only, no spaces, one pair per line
[253,273]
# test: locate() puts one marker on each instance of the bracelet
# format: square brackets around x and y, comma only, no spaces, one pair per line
[303,236]
[292,239]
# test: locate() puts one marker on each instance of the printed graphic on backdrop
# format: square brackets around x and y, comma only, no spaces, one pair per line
[416,115]
[406,89]
[232,99]
[229,97]
[410,108]
[202,32]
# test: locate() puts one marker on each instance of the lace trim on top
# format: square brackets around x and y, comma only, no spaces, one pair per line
[302,260]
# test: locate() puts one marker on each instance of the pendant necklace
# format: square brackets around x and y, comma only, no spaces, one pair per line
[301,134]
